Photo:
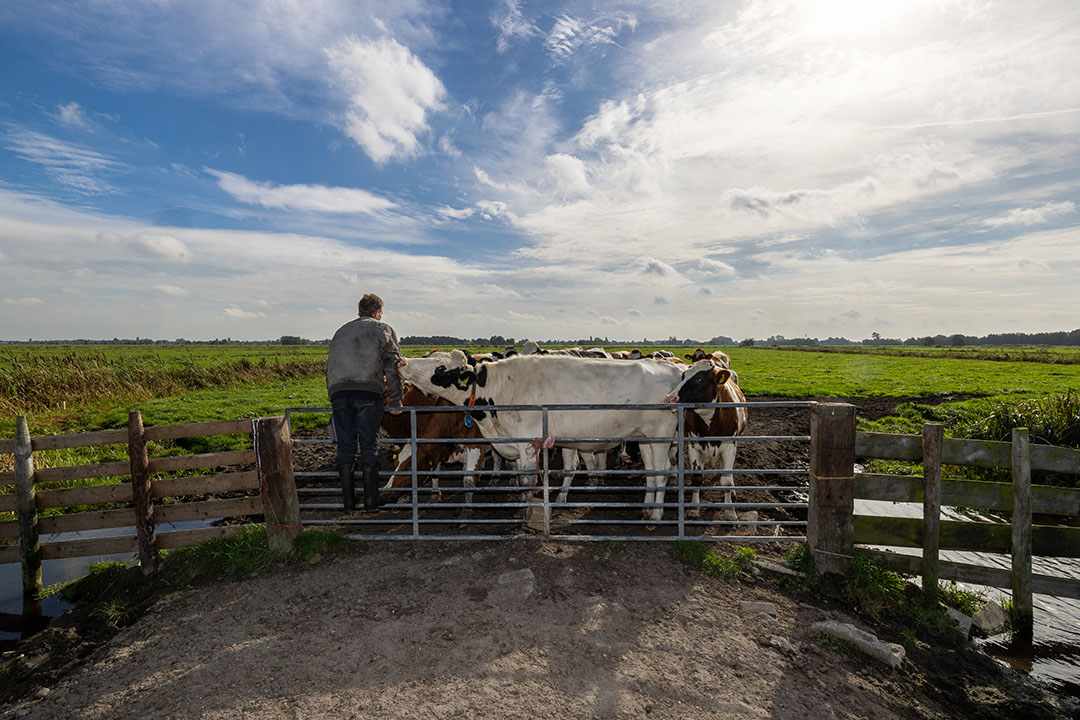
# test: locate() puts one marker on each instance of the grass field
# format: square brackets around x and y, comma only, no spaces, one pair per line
[78,388]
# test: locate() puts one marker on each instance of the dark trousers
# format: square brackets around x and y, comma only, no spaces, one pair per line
[356,417]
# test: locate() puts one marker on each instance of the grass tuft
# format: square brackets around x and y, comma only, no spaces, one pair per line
[697,555]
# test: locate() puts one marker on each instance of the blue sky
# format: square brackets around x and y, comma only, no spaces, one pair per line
[201,169]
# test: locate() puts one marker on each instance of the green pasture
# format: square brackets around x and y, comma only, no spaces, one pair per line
[222,385]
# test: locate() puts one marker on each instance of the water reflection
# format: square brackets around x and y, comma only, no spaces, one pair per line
[1052,654]
[19,620]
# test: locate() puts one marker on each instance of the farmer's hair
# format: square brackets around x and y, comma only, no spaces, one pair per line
[370,304]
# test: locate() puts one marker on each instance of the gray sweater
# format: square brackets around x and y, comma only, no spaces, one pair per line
[363,353]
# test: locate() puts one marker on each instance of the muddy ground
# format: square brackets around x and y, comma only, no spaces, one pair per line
[519,628]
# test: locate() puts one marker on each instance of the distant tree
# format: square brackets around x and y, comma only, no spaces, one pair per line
[927,341]
[748,342]
[876,336]
[957,340]
[291,340]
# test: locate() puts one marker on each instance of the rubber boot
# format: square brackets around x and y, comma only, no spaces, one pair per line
[372,499]
[348,484]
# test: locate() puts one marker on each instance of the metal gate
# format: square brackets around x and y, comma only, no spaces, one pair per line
[593,512]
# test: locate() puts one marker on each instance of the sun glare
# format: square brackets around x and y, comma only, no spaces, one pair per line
[849,17]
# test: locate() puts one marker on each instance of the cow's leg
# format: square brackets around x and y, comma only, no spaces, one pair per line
[654,456]
[595,461]
[473,460]
[694,479]
[569,464]
[727,460]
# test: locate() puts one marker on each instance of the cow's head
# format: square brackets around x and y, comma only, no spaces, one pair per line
[440,373]
[699,383]
[697,355]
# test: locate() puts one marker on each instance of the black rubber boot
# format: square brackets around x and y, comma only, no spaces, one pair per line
[372,499]
[348,485]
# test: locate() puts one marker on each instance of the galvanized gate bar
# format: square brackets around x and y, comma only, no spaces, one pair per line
[541,472]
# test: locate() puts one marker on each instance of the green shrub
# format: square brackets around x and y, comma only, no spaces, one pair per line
[697,555]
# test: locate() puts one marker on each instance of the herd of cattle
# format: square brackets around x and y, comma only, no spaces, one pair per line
[576,376]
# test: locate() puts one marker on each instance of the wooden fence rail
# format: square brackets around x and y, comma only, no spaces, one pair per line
[271,481]
[1020,538]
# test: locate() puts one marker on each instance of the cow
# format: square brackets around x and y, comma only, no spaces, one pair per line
[434,425]
[707,381]
[717,355]
[555,380]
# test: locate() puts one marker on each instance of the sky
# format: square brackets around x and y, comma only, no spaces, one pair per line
[621,170]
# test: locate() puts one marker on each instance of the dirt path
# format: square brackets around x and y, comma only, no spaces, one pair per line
[514,629]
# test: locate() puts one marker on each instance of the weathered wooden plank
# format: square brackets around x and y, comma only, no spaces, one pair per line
[120,492]
[199,429]
[78,472]
[206,484]
[7,502]
[888,446]
[185,538]
[965,451]
[1045,500]
[975,574]
[90,547]
[140,493]
[832,467]
[1055,459]
[7,447]
[975,453]
[9,529]
[9,553]
[90,520]
[7,478]
[956,535]
[88,439]
[933,434]
[1021,531]
[204,460]
[208,509]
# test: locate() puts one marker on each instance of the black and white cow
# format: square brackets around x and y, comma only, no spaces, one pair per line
[561,380]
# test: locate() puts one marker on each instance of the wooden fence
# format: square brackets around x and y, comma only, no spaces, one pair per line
[834,529]
[265,490]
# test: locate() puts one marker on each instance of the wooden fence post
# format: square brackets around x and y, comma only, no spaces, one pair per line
[933,435]
[140,491]
[1021,532]
[281,505]
[26,510]
[830,531]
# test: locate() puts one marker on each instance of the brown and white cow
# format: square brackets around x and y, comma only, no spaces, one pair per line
[707,381]
[717,355]
[434,425]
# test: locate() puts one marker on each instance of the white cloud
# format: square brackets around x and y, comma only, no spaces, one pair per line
[23,301]
[315,198]
[569,34]
[171,290]
[237,313]
[391,92]
[653,266]
[634,312]
[161,245]
[456,213]
[715,268]
[512,25]
[568,174]
[77,167]
[1032,216]
[72,114]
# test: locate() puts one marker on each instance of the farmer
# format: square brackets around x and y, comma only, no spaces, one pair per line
[363,361]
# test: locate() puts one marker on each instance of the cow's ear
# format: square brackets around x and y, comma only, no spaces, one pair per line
[467,377]
[688,355]
[722,375]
